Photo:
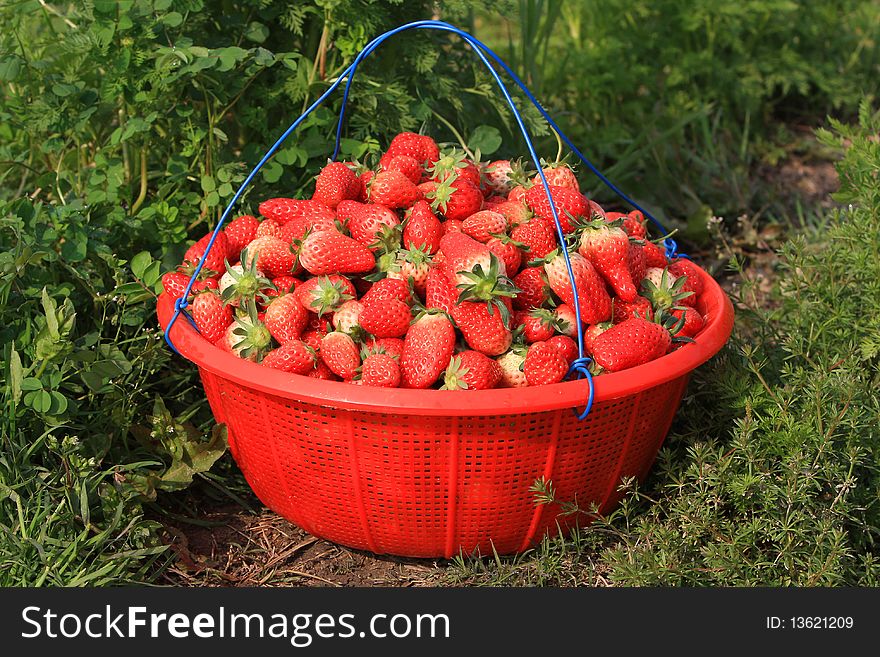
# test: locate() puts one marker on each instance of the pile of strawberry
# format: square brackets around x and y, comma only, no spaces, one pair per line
[435,270]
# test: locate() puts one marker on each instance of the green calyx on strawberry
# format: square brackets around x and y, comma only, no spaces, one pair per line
[326,296]
[245,283]
[488,286]
[453,377]
[448,165]
[252,338]
[665,296]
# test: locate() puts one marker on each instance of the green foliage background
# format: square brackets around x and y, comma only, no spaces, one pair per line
[125,128]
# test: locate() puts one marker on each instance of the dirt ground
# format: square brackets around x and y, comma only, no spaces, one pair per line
[245,549]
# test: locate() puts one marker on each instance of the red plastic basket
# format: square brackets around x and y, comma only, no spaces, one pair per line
[428,473]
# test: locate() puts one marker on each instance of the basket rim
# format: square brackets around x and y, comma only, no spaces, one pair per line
[714,305]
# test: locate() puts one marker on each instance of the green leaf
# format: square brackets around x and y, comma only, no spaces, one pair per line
[485,138]
[272,172]
[172,19]
[208,184]
[256,32]
[140,262]
[9,68]
[75,245]
[49,308]
[30,383]
[16,374]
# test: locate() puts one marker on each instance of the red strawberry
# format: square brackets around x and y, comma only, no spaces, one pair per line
[420,147]
[623,310]
[537,236]
[453,165]
[368,222]
[427,348]
[456,199]
[544,365]
[411,265]
[565,346]
[497,176]
[471,370]
[633,223]
[484,331]
[593,332]
[405,164]
[694,283]
[594,210]
[558,175]
[274,256]
[517,194]
[308,211]
[211,315]
[391,346]
[174,283]
[515,212]
[335,183]
[655,256]
[325,294]
[422,228]
[665,290]
[286,318]
[285,284]
[693,321]
[393,189]
[340,354]
[347,317]
[385,318]
[268,227]
[451,226]
[537,325]
[388,288]
[294,357]
[534,291]
[323,372]
[214,261]
[240,232]
[508,251]
[483,225]
[636,263]
[313,338]
[463,253]
[607,248]
[512,363]
[331,252]
[633,342]
[440,291]
[594,301]
[569,205]
[380,371]
[566,319]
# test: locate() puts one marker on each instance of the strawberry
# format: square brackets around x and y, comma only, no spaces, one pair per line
[633,342]
[471,370]
[440,291]
[463,255]
[268,227]
[321,371]
[694,283]
[508,251]
[623,310]
[483,225]
[367,221]
[665,290]
[294,357]
[537,236]
[655,256]
[391,346]
[244,284]
[456,199]
[537,325]
[211,315]
[515,212]
[569,205]
[411,266]
[240,232]
[422,228]
[593,332]
[388,288]
[453,165]
[285,284]
[594,301]
[451,226]
[393,189]
[380,371]
[313,338]
[693,321]
[565,346]
[517,194]
[420,147]
[497,176]
[558,175]
[335,183]
[427,348]
[566,319]
[286,318]
[594,210]
[324,294]
[273,256]
[213,261]
[544,365]
[405,164]
[347,317]
[633,223]
[250,337]
[483,327]
[284,210]
[512,363]
[331,252]
[534,291]
[636,263]
[385,318]
[607,248]
[340,354]
[175,282]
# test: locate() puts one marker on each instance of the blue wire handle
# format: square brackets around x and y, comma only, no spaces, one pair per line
[580,365]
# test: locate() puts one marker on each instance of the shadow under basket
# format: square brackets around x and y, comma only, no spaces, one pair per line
[428,473]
